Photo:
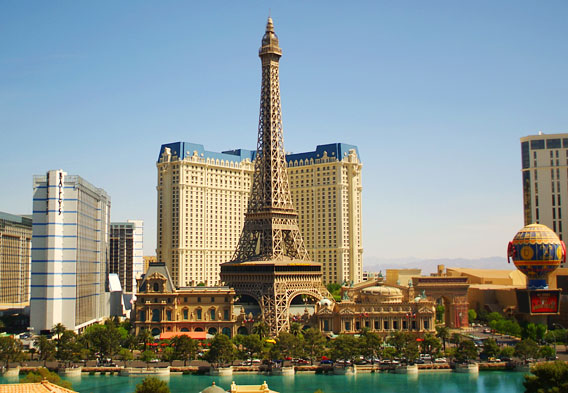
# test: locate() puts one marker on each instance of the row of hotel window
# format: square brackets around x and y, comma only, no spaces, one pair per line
[157,315]
[347,325]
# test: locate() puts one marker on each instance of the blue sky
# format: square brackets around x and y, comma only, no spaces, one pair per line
[436,95]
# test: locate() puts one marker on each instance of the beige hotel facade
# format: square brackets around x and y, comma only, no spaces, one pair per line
[202,200]
[545,181]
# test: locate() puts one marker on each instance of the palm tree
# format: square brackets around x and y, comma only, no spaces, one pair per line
[260,328]
[295,328]
[443,334]
[58,329]
[144,337]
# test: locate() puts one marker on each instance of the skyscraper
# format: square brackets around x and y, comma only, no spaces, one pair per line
[15,261]
[69,278]
[125,259]
[545,180]
[203,195]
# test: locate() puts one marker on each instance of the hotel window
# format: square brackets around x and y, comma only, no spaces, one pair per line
[326,325]
[347,325]
[185,314]
[198,312]
[168,315]
[377,325]
[386,325]
[142,316]
[426,324]
[357,325]
[212,314]
[226,315]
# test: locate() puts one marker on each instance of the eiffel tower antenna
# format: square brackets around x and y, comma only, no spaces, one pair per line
[271,263]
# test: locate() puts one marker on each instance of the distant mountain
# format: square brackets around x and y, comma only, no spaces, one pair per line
[375,264]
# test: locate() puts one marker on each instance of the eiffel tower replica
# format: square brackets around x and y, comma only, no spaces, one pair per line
[271,263]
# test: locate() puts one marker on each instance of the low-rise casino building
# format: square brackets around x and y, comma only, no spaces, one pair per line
[163,308]
[377,307]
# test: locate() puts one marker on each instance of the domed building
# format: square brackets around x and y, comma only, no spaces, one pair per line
[380,308]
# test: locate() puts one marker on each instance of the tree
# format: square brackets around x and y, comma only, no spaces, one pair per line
[221,351]
[147,356]
[456,338]
[58,330]
[466,351]
[103,339]
[43,373]
[287,344]
[260,328]
[430,344]
[295,328]
[440,312]
[185,348]
[389,353]
[345,347]
[251,344]
[411,352]
[549,377]
[152,385]
[526,349]
[144,337]
[490,348]
[400,340]
[471,315]
[546,352]
[125,355]
[10,350]
[507,352]
[370,344]
[46,349]
[169,355]
[68,347]
[314,344]
[443,334]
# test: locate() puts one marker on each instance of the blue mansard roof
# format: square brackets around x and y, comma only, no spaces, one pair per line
[186,149]
[338,150]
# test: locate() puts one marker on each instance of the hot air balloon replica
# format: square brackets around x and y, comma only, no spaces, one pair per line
[537,251]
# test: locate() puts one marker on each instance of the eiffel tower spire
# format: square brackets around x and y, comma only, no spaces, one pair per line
[271,224]
[271,264]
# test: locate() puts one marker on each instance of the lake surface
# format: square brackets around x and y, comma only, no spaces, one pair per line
[425,382]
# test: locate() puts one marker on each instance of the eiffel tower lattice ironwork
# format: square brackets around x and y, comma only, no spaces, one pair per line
[271,263]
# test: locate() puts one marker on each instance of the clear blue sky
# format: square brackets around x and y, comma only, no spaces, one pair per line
[436,94]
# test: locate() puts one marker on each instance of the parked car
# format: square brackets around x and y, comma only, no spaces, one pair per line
[440,360]
[326,361]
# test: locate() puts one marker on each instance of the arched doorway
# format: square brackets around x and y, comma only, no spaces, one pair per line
[227,332]
[184,329]
[242,330]
[198,329]
[156,332]
[249,305]
[212,331]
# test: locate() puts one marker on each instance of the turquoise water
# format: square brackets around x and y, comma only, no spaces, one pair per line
[435,382]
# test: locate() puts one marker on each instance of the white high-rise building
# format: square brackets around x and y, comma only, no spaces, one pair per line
[69,278]
[545,181]
[203,196]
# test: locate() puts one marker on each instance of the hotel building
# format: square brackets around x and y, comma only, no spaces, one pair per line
[69,277]
[126,259]
[15,261]
[203,195]
[545,181]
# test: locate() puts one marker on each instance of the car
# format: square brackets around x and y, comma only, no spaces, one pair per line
[327,361]
[494,360]
[440,360]
[487,330]
[155,361]
[255,361]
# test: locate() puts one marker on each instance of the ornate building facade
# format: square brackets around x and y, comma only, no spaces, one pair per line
[162,308]
[381,309]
